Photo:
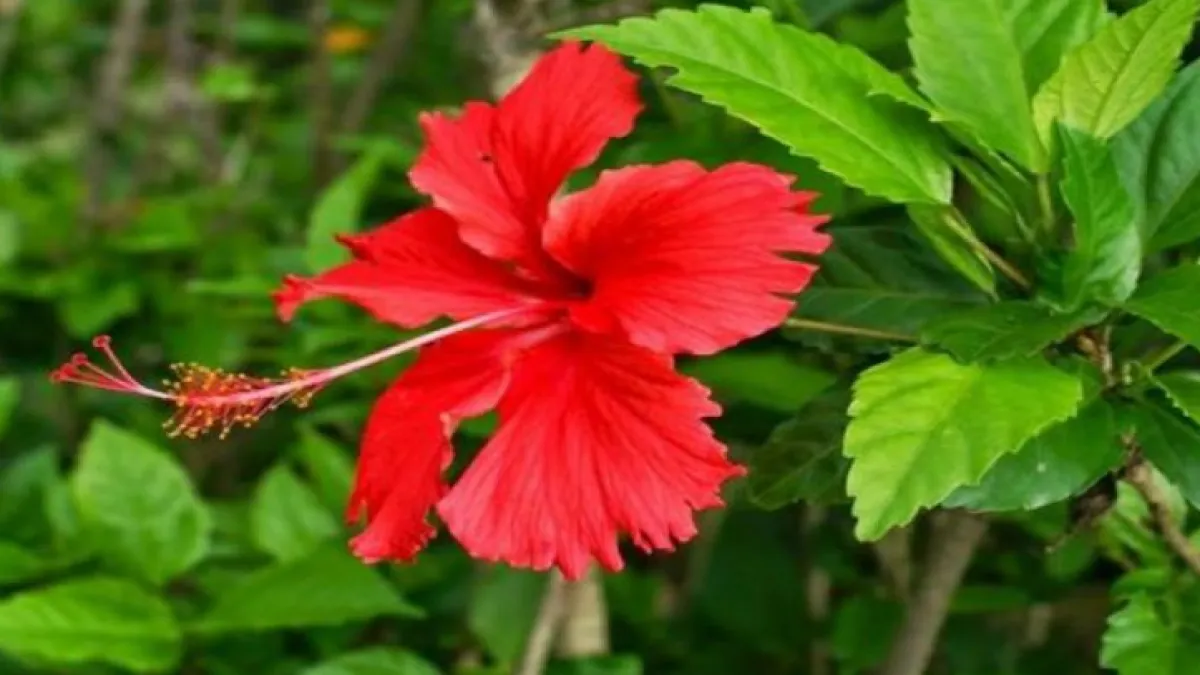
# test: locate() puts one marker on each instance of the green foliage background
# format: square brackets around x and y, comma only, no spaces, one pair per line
[1004,324]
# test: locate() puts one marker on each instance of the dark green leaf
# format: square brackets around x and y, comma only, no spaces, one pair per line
[328,467]
[770,379]
[91,620]
[286,518]
[9,398]
[328,587]
[1109,80]
[504,605]
[882,277]
[937,226]
[616,664]
[376,661]
[1170,301]
[802,460]
[157,529]
[822,99]
[1106,257]
[1159,157]
[923,424]
[1060,462]
[1003,330]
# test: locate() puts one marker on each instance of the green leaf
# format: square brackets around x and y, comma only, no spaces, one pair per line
[91,620]
[1015,45]
[882,277]
[375,661]
[18,564]
[286,519]
[1143,638]
[923,424]
[337,211]
[1170,301]
[327,587]
[1106,258]
[863,626]
[802,459]
[328,467]
[608,664]
[1159,157]
[1062,461]
[10,392]
[769,379]
[92,308]
[936,225]
[138,505]
[1109,80]
[1183,388]
[1004,330]
[504,605]
[1172,445]
[10,237]
[822,99]
[230,83]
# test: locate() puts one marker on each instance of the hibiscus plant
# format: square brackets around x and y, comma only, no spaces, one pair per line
[935,293]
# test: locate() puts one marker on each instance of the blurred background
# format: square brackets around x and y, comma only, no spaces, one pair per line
[164,162]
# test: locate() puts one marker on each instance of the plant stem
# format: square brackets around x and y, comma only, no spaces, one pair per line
[1138,474]
[1156,360]
[959,224]
[842,329]
[949,554]
[545,627]
[1046,204]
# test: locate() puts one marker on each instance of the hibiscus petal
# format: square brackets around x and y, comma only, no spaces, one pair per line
[496,169]
[406,445]
[596,437]
[685,260]
[409,272]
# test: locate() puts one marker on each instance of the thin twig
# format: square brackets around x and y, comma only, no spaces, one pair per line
[227,21]
[114,73]
[951,548]
[320,92]
[545,627]
[843,329]
[387,56]
[894,553]
[1139,475]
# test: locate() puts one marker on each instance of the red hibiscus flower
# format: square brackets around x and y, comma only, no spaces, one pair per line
[569,312]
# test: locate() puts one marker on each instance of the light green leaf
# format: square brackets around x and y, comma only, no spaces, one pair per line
[882,277]
[337,211]
[10,391]
[802,459]
[1159,157]
[1004,329]
[91,621]
[1015,44]
[503,607]
[1148,637]
[769,379]
[327,587]
[822,99]
[936,224]
[1170,301]
[1183,388]
[1109,80]
[286,518]
[375,661]
[923,424]
[138,505]
[328,467]
[1106,258]
[1172,445]
[1062,461]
